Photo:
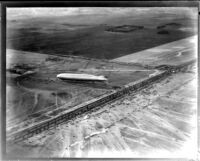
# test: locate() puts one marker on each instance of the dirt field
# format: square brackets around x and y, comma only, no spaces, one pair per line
[156,122]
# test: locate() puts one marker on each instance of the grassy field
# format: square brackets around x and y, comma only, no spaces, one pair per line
[87,35]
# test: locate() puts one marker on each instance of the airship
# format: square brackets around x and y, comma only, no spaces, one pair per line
[80,77]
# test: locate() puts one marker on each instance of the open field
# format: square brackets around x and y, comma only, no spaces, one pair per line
[164,112]
[148,56]
[174,53]
[157,119]
[87,35]
[40,96]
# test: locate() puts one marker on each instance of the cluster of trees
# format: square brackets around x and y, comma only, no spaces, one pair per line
[124,28]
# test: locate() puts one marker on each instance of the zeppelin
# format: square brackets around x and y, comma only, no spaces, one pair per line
[81,77]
